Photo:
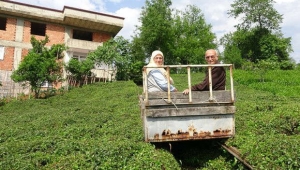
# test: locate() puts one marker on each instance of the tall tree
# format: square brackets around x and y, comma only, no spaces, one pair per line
[192,36]
[40,65]
[256,13]
[155,32]
[258,36]
[182,37]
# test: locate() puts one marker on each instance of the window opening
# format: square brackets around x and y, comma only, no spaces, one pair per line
[3,22]
[38,29]
[83,35]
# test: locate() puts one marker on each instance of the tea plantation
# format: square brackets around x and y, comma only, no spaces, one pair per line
[99,126]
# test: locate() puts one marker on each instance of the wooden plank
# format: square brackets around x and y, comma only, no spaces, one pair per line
[161,102]
[189,111]
[160,98]
[186,105]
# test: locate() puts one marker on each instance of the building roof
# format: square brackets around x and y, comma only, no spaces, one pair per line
[67,16]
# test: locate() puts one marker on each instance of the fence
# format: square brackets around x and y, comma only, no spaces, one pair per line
[9,88]
[98,75]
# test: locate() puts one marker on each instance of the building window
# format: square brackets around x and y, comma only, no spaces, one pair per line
[79,57]
[38,29]
[3,23]
[83,35]
[2,52]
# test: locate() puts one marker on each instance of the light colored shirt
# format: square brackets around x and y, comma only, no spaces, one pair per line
[158,82]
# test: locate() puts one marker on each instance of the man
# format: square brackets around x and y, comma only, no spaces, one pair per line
[218,75]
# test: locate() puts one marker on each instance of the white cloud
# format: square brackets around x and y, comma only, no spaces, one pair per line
[131,20]
[83,4]
[296,44]
[59,4]
[290,24]
[115,1]
[283,1]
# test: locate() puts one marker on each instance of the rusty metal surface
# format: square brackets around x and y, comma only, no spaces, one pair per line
[197,127]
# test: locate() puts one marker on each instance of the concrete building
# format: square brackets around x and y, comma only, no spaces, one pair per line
[80,30]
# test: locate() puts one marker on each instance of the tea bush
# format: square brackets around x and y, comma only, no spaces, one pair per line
[267,119]
[99,126]
[94,127]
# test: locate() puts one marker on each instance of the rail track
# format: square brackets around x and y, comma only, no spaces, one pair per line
[233,151]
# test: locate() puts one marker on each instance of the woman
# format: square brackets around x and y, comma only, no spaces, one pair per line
[157,77]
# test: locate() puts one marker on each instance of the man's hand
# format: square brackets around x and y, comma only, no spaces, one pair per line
[186,91]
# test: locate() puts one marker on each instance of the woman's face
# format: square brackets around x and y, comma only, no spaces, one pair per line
[159,60]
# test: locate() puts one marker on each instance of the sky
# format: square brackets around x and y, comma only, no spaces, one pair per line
[214,11]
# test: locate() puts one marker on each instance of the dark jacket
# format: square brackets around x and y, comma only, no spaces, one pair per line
[218,80]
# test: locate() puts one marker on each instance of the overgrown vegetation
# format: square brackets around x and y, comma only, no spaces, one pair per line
[116,54]
[98,126]
[79,70]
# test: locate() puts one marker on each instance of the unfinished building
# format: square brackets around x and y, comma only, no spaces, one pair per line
[80,30]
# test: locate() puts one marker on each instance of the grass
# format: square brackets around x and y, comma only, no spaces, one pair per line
[99,127]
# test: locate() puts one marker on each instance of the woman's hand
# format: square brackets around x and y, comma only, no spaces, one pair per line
[186,91]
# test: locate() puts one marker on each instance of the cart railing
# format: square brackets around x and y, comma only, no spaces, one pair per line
[188,67]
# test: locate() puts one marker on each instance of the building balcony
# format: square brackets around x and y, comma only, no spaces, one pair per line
[82,45]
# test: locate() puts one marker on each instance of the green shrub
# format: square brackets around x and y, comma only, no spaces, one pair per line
[287,65]
[136,73]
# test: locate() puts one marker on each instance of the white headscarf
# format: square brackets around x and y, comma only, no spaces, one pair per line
[153,64]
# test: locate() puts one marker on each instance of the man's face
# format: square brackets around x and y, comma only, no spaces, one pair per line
[211,57]
[159,60]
